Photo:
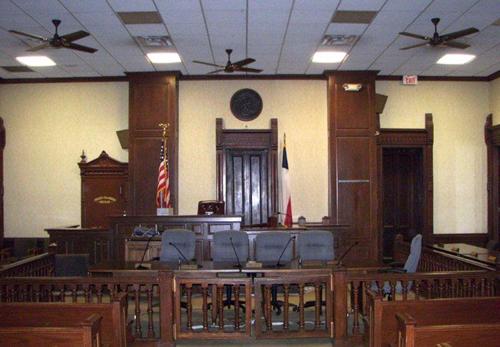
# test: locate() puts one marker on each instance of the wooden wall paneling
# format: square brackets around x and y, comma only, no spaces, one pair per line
[238,150]
[2,146]
[353,161]
[411,138]
[153,99]
[492,139]
[104,190]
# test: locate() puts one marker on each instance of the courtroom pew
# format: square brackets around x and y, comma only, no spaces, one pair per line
[382,323]
[36,330]
[113,324]
[413,333]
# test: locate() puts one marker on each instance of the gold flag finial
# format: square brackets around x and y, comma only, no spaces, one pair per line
[164,126]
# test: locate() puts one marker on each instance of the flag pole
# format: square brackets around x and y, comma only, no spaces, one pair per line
[165,128]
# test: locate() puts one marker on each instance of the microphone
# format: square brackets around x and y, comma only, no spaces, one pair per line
[236,254]
[346,252]
[179,251]
[278,264]
[140,266]
[285,215]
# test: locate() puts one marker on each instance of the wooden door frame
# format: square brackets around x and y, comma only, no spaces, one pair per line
[247,139]
[409,138]
[492,139]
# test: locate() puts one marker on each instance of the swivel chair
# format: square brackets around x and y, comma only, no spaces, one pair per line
[177,245]
[68,265]
[223,252]
[269,247]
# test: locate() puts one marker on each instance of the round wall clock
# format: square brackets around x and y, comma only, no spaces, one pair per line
[246,104]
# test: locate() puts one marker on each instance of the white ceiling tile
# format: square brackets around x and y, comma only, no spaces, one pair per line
[77,6]
[361,5]
[223,5]
[132,6]
[38,7]
[316,5]
[401,5]
[346,29]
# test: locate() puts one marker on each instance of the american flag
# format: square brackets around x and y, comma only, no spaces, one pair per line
[163,189]
[286,198]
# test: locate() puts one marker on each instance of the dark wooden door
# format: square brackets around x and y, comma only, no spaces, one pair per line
[247,185]
[402,193]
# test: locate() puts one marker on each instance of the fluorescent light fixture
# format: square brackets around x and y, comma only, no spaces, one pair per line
[36,60]
[456,59]
[329,57]
[164,58]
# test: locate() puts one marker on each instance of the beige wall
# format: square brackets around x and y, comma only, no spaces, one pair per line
[495,100]
[459,112]
[47,127]
[300,107]
[49,124]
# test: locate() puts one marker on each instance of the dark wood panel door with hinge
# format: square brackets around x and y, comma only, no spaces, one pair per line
[402,193]
[247,185]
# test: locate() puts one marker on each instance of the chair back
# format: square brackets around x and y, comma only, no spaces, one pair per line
[222,249]
[211,207]
[183,239]
[269,245]
[315,245]
[68,265]
[411,263]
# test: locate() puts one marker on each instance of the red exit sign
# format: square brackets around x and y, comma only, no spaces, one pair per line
[411,80]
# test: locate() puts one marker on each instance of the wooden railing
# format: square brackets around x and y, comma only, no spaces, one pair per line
[414,286]
[145,293]
[224,322]
[34,266]
[299,322]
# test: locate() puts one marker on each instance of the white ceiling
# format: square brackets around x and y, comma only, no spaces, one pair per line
[281,35]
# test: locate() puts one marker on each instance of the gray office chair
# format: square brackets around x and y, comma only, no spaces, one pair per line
[68,265]
[177,245]
[223,251]
[269,247]
[410,266]
[315,245]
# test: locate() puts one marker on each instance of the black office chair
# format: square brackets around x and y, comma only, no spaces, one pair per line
[69,265]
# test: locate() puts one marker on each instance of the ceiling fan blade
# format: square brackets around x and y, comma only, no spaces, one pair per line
[414,46]
[205,63]
[79,47]
[41,38]
[243,62]
[456,44]
[39,47]
[77,35]
[215,71]
[415,36]
[457,34]
[248,69]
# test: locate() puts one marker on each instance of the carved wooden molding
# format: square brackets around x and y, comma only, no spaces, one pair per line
[408,137]
[103,165]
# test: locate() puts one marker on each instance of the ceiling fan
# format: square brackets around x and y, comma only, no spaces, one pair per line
[56,41]
[231,67]
[441,40]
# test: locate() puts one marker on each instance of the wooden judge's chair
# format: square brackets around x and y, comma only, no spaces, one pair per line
[211,207]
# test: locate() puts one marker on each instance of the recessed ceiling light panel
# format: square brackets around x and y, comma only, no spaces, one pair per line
[456,59]
[329,57]
[36,60]
[164,57]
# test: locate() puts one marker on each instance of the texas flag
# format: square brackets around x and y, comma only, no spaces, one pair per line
[286,200]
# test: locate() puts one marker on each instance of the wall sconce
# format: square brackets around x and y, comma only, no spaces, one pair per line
[352,87]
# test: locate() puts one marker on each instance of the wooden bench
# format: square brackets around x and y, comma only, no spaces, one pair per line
[417,334]
[113,325]
[62,331]
[382,324]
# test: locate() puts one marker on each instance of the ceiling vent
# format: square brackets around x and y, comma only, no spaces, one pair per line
[148,17]
[497,22]
[358,17]
[16,68]
[338,40]
[154,41]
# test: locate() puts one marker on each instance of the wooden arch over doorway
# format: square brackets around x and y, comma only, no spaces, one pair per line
[247,178]
[421,139]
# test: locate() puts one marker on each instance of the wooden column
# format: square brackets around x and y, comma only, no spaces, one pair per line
[492,139]
[353,160]
[153,99]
